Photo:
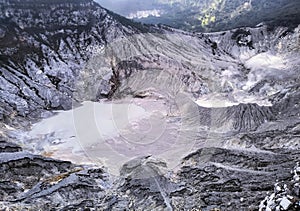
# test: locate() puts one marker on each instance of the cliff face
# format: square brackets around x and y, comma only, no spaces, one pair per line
[43,47]
[53,53]
[229,100]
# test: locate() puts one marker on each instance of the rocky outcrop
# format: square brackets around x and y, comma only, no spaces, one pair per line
[239,118]
[286,195]
[229,179]
[234,95]
[210,178]
[84,52]
[35,182]
[44,46]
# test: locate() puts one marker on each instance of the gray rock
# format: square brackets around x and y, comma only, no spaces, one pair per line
[62,53]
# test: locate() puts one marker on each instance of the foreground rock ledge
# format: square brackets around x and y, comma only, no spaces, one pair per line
[229,180]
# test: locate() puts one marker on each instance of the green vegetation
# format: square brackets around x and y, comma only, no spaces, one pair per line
[216,15]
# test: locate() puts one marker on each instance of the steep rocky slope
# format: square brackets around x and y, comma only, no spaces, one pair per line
[218,123]
[43,48]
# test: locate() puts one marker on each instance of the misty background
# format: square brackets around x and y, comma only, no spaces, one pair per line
[125,7]
[208,15]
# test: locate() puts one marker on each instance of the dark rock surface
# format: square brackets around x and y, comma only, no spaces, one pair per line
[35,182]
[233,179]
[210,178]
[286,194]
[71,51]
[43,47]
